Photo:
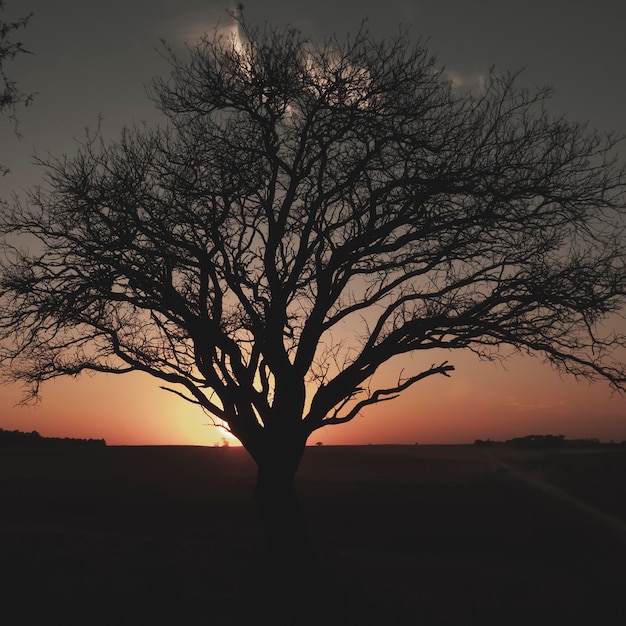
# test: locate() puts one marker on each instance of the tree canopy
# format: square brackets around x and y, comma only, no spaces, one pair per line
[307,212]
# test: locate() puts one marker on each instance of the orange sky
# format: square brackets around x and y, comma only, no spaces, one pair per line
[94,59]
[478,401]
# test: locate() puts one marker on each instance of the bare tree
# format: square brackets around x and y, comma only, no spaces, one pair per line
[308,213]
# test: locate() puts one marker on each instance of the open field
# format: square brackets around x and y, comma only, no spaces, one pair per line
[424,535]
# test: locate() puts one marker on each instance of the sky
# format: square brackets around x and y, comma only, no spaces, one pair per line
[92,60]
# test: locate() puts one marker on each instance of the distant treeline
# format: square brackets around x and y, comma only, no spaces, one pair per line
[546,441]
[34,439]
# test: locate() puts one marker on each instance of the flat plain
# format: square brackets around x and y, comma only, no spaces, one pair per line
[420,535]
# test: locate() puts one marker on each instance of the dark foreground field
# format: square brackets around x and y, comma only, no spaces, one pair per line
[409,535]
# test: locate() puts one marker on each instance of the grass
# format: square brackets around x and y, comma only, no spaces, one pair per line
[432,535]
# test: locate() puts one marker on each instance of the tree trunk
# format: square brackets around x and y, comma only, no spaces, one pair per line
[288,539]
[294,571]
[295,568]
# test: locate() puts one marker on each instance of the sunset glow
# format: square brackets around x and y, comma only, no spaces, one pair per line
[479,400]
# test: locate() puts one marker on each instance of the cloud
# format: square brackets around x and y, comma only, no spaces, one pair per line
[473,82]
[194,25]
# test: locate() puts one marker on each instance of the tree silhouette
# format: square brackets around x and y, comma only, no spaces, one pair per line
[307,213]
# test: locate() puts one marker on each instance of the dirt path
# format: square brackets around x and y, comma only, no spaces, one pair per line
[610,522]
